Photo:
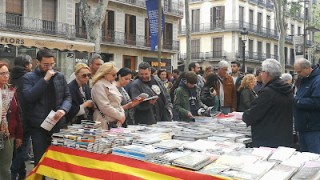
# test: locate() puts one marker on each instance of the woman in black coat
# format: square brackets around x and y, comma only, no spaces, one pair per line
[209,91]
[246,92]
[82,104]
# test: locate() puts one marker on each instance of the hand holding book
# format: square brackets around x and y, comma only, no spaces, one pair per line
[136,101]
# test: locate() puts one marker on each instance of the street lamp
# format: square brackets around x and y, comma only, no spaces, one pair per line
[244,38]
[304,26]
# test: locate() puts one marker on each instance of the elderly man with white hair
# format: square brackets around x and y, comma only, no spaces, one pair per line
[286,77]
[270,115]
[307,106]
[226,89]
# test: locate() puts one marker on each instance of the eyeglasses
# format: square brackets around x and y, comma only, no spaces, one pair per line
[4,73]
[86,75]
[49,65]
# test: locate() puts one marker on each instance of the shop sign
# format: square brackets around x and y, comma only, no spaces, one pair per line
[11,40]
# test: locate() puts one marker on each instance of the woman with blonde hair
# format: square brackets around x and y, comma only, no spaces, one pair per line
[106,97]
[247,94]
[81,95]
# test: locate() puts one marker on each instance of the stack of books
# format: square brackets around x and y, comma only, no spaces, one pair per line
[144,153]
[194,161]
[310,171]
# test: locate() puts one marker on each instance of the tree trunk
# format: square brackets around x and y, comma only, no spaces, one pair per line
[94,21]
[280,10]
[188,36]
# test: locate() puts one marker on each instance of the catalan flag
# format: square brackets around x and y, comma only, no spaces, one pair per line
[65,163]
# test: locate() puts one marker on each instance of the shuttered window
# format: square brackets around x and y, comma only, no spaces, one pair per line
[217,17]
[14,6]
[49,8]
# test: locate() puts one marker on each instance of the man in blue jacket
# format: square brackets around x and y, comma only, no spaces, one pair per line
[45,89]
[307,106]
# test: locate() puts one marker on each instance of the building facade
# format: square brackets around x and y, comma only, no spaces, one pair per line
[28,25]
[216,28]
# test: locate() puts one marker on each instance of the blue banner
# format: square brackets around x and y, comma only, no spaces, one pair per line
[152,12]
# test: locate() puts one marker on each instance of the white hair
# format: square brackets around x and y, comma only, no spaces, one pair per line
[272,66]
[223,64]
[303,63]
[286,77]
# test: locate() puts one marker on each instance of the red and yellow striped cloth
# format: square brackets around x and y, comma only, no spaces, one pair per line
[66,163]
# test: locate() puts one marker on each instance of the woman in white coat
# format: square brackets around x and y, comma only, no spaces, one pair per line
[106,97]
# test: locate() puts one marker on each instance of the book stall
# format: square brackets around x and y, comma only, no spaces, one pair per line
[209,148]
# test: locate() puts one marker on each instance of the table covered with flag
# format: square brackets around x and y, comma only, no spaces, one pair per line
[66,163]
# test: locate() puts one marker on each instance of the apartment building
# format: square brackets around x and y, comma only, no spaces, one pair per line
[216,28]
[28,25]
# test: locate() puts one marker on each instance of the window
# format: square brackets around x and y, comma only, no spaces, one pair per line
[299,30]
[259,50]
[147,30]
[291,56]
[108,28]
[275,51]
[292,29]
[286,55]
[130,29]
[259,22]
[250,49]
[14,11]
[195,20]
[79,23]
[217,17]
[195,50]
[240,47]
[49,15]
[251,20]
[167,36]
[268,50]
[268,25]
[217,47]
[241,16]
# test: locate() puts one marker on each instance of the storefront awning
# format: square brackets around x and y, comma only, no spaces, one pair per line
[45,42]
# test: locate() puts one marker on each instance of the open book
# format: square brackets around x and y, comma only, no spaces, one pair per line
[140,98]
[151,98]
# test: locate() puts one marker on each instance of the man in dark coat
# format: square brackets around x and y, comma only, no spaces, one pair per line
[23,65]
[307,106]
[152,111]
[270,115]
[45,89]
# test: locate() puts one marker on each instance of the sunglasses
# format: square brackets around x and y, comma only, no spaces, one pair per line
[86,75]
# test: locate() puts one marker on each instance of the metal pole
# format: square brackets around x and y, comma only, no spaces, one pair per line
[244,57]
[159,33]
[304,29]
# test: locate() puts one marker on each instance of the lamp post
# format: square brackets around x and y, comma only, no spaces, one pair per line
[244,38]
[305,16]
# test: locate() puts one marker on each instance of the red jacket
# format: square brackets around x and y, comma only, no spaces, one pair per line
[15,124]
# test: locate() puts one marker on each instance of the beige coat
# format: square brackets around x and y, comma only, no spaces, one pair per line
[107,97]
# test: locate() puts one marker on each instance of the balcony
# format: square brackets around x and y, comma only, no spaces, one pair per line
[201,56]
[174,8]
[12,22]
[235,26]
[256,56]
[121,38]
[269,6]
[261,3]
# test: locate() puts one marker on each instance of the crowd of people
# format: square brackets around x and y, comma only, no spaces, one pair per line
[270,101]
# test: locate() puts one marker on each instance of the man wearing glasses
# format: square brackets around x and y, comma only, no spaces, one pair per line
[45,89]
[307,106]
[270,114]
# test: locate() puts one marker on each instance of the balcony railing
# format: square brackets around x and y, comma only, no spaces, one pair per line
[14,22]
[121,38]
[175,8]
[198,56]
[220,26]
[257,56]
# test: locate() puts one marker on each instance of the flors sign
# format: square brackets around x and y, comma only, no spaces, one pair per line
[10,40]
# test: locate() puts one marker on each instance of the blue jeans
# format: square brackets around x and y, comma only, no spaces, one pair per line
[41,140]
[18,162]
[310,141]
